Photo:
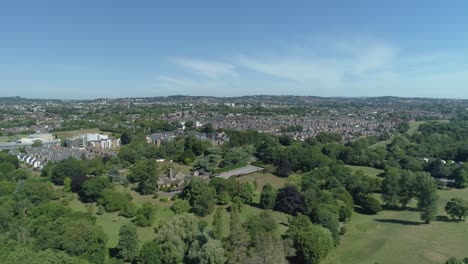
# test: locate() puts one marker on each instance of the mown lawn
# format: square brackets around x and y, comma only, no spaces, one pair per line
[263,178]
[400,237]
[381,144]
[73,133]
[414,125]
[111,222]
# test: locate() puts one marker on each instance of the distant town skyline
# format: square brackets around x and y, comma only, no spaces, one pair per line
[107,49]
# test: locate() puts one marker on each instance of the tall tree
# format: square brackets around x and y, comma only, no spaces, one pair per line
[150,253]
[268,197]
[390,187]
[289,200]
[237,243]
[175,237]
[212,252]
[427,197]
[268,249]
[312,242]
[128,242]
[218,223]
[457,208]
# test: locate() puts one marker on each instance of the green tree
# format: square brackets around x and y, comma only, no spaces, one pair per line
[180,206]
[327,215]
[145,215]
[128,244]
[269,249]
[22,255]
[66,168]
[37,144]
[390,187]
[454,260]
[218,223]
[312,242]
[176,236]
[114,201]
[370,204]
[457,208]
[125,138]
[187,157]
[67,184]
[201,196]
[407,187]
[146,174]
[461,177]
[238,241]
[38,192]
[246,192]
[93,187]
[427,197]
[268,197]
[265,222]
[212,252]
[150,253]
[223,198]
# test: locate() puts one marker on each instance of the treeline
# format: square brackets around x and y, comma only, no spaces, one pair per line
[35,228]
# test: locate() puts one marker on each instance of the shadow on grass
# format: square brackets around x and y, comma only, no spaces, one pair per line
[257,205]
[444,218]
[397,221]
[361,210]
[398,208]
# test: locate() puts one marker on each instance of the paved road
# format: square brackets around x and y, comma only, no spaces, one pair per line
[240,171]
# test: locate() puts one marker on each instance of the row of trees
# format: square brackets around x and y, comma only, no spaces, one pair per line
[400,187]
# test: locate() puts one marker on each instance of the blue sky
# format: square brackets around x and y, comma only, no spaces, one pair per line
[88,49]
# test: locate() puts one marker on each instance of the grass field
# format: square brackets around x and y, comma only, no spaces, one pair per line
[399,237]
[262,178]
[4,138]
[381,144]
[185,169]
[73,133]
[111,222]
[367,170]
[247,212]
[414,126]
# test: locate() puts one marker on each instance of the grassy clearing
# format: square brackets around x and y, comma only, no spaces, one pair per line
[185,169]
[414,125]
[367,170]
[399,237]
[73,133]
[381,144]
[111,222]
[4,138]
[263,178]
[247,212]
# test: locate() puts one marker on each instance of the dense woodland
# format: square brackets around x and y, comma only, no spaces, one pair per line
[320,196]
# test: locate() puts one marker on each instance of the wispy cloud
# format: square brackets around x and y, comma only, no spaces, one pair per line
[207,68]
[330,67]
[343,60]
[179,85]
[295,69]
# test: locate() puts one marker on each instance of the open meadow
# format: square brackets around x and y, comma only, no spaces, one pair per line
[393,236]
[73,133]
[263,178]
